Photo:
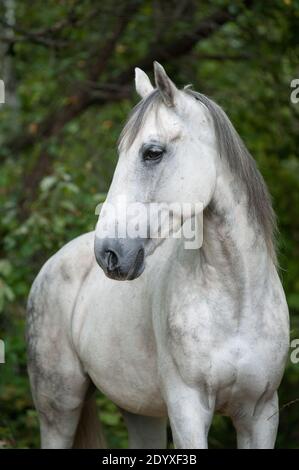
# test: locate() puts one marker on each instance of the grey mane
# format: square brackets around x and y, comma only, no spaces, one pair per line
[231,147]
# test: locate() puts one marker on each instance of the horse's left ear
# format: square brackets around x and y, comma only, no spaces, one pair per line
[142,83]
[166,87]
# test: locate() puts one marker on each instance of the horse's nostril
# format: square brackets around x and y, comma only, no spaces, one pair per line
[140,257]
[111,260]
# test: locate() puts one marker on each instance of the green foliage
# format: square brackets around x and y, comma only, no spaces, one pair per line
[246,66]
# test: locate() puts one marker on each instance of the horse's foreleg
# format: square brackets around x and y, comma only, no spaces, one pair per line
[145,432]
[259,430]
[190,414]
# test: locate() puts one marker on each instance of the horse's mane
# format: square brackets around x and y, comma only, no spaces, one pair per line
[231,147]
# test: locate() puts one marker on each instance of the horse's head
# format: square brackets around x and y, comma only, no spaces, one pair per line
[167,155]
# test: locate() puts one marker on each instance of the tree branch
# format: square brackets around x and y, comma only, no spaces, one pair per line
[85,94]
[40,40]
[47,37]
[55,122]
[223,57]
[80,101]
[79,97]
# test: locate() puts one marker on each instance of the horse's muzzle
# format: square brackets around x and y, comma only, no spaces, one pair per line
[121,259]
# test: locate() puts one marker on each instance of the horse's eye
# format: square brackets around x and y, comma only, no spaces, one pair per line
[153,154]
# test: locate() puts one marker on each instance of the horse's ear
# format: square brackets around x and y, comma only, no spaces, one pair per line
[166,87]
[142,83]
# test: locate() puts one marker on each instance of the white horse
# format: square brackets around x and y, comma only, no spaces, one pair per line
[197,331]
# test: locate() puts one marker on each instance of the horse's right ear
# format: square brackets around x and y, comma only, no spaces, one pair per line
[166,87]
[142,83]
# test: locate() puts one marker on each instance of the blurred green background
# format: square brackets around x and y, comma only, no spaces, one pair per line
[68,66]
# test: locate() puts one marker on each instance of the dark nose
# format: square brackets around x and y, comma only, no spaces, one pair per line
[120,259]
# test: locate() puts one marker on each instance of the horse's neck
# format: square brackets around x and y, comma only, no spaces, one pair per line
[234,256]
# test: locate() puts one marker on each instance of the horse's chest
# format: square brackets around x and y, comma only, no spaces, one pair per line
[193,342]
[211,350]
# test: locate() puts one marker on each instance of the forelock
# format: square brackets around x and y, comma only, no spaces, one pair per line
[137,118]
